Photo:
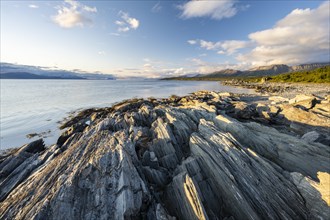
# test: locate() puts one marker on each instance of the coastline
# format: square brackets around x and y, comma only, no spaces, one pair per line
[179,156]
[287,90]
[42,107]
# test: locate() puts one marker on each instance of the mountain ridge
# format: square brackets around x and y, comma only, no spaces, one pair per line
[26,75]
[270,70]
[12,70]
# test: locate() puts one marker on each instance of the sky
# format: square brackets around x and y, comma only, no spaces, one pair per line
[163,38]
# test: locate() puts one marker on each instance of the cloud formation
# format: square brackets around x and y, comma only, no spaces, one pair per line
[72,14]
[33,6]
[156,8]
[127,23]
[227,47]
[203,67]
[215,9]
[192,42]
[300,37]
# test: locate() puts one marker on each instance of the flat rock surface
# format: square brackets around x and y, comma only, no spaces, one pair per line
[207,155]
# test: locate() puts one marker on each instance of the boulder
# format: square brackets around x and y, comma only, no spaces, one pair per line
[300,98]
[311,136]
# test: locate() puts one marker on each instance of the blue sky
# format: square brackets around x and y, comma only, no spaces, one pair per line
[160,38]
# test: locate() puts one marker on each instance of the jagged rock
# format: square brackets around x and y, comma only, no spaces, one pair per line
[278,99]
[245,181]
[289,152]
[267,112]
[303,119]
[311,136]
[322,109]
[245,111]
[16,167]
[316,195]
[174,158]
[301,97]
[79,127]
[184,199]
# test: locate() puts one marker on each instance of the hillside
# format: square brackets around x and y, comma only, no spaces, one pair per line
[260,71]
[319,75]
[226,72]
[267,70]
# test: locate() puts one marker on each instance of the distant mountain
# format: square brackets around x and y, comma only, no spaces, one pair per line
[24,75]
[226,72]
[267,70]
[308,66]
[21,75]
[270,70]
[15,71]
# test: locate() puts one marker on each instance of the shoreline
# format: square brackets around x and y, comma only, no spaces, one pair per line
[19,121]
[288,90]
[172,156]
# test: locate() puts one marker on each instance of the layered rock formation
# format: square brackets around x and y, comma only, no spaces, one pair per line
[203,156]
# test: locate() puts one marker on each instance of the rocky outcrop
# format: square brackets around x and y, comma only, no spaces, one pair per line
[268,70]
[311,66]
[204,156]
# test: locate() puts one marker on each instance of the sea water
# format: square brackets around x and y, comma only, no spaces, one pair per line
[38,106]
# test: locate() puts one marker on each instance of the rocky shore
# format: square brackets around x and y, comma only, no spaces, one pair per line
[288,90]
[207,155]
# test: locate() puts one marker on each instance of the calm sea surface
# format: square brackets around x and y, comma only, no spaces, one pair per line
[35,106]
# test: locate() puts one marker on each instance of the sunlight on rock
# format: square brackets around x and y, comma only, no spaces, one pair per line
[252,152]
[193,198]
[323,186]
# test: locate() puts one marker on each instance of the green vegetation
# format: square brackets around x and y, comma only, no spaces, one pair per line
[319,75]
[196,78]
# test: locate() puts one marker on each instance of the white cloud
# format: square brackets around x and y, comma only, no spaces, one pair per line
[89,9]
[228,47]
[204,67]
[115,34]
[120,23]
[102,53]
[33,6]
[72,14]
[179,71]
[127,23]
[231,46]
[156,8]
[192,42]
[214,9]
[208,45]
[300,37]
[147,65]
[123,29]
[156,69]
